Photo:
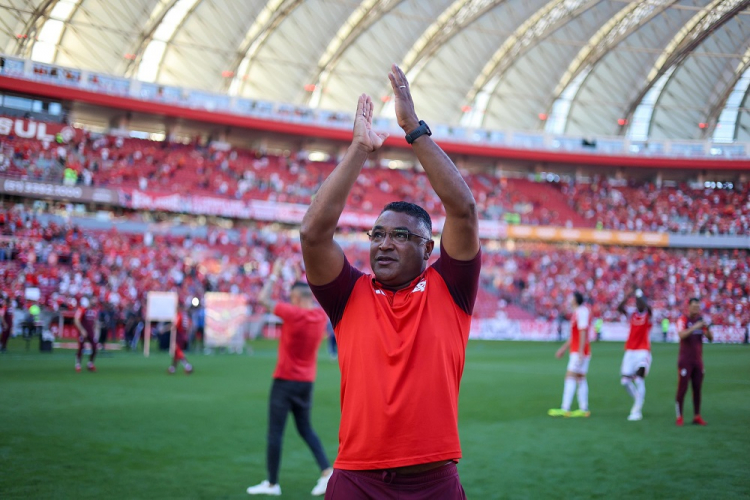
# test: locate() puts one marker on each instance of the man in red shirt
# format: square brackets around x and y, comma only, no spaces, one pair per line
[302,331]
[85,320]
[401,332]
[578,365]
[691,330]
[637,360]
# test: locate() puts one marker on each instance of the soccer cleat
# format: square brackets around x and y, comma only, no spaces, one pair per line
[90,367]
[680,421]
[78,367]
[170,370]
[698,420]
[635,416]
[321,485]
[265,488]
[580,413]
[558,412]
[188,369]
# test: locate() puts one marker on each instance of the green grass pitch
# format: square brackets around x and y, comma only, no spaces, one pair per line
[132,431]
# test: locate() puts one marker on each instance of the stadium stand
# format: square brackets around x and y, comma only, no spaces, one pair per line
[533,280]
[241,174]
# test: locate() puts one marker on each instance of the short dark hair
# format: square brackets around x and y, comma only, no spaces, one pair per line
[415,211]
[302,287]
[579,297]
[694,299]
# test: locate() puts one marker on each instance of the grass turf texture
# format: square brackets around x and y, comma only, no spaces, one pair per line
[132,431]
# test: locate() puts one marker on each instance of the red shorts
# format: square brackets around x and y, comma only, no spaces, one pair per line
[442,483]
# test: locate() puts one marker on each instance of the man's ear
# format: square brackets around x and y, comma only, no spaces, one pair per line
[429,246]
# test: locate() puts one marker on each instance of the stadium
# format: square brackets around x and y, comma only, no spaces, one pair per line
[159,162]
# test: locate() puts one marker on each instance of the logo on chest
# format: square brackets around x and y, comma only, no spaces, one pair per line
[420,286]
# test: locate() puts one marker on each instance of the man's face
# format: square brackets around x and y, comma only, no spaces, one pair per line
[694,308]
[394,263]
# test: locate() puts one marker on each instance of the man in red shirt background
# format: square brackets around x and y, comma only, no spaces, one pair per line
[637,360]
[302,331]
[691,330]
[85,319]
[402,331]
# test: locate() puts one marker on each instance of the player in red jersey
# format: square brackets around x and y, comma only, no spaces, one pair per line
[85,320]
[637,360]
[302,331]
[691,330]
[578,365]
[402,331]
[180,344]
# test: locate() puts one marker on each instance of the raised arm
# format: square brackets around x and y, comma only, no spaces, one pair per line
[460,237]
[264,297]
[323,257]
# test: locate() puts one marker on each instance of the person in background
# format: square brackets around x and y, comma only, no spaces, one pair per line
[302,331]
[181,340]
[85,320]
[691,329]
[637,360]
[664,328]
[6,322]
[578,364]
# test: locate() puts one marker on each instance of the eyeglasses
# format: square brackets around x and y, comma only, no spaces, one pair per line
[397,235]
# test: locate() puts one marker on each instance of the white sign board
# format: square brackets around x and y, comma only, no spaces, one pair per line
[161,306]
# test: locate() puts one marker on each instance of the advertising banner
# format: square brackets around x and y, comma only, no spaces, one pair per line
[226,317]
[41,131]
[82,194]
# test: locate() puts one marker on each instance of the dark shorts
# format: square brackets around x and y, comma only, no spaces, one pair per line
[442,483]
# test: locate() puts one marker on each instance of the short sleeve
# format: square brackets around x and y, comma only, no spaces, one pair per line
[334,296]
[582,318]
[461,277]
[283,310]
[681,324]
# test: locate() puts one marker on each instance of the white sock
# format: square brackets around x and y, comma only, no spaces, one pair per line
[583,395]
[568,392]
[640,387]
[629,386]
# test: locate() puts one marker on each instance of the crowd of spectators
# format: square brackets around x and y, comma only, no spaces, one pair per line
[66,262]
[542,277]
[677,209]
[128,164]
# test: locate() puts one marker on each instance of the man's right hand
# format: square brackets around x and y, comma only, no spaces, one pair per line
[365,138]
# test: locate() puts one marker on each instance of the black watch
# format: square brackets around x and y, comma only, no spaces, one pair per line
[418,132]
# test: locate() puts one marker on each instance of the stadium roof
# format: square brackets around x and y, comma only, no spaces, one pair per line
[661,69]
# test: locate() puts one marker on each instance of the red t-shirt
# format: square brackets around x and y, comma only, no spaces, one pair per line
[640,327]
[580,325]
[401,356]
[302,331]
